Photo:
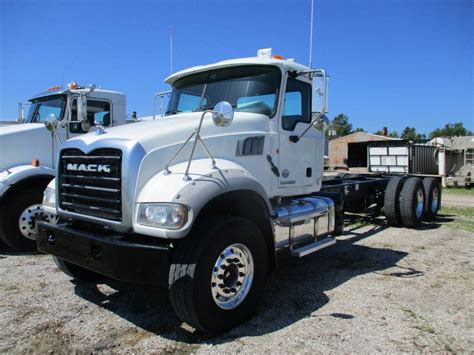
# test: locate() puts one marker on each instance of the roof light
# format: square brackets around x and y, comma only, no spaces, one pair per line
[278,57]
[35,163]
[54,88]
[72,85]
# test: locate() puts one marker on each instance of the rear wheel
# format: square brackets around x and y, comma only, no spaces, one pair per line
[392,201]
[218,274]
[432,189]
[412,202]
[77,272]
[18,215]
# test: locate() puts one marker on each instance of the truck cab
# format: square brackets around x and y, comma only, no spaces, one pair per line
[29,152]
[193,200]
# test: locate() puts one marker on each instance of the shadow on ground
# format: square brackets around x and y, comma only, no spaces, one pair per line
[295,291]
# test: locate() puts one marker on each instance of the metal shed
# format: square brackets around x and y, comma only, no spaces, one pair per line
[350,152]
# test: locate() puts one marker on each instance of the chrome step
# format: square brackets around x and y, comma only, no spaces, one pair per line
[312,247]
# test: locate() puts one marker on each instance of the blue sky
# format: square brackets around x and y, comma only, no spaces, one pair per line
[392,63]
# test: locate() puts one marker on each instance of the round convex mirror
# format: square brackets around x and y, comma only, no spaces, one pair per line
[85,126]
[51,122]
[223,114]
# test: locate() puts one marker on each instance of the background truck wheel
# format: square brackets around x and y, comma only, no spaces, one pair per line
[433,198]
[392,201]
[18,215]
[412,202]
[77,272]
[218,274]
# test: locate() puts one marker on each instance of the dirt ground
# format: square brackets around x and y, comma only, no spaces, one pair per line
[378,289]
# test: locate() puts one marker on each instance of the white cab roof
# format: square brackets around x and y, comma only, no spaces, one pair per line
[264,57]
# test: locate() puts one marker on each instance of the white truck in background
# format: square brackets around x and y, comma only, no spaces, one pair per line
[204,200]
[28,152]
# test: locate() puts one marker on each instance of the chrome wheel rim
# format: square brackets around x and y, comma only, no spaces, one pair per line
[419,203]
[232,276]
[435,200]
[27,221]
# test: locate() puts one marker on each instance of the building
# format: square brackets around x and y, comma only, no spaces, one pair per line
[350,152]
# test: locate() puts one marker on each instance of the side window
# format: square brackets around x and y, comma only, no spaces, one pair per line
[96,111]
[99,111]
[189,103]
[297,104]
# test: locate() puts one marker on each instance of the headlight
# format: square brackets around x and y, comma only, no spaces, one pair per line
[49,197]
[162,215]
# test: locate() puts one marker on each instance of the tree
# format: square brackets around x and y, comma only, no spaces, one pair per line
[360,130]
[409,133]
[340,124]
[451,130]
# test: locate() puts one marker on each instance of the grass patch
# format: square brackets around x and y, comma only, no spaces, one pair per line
[458,191]
[466,212]
[463,217]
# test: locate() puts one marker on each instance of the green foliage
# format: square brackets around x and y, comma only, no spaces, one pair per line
[410,133]
[451,130]
[360,130]
[341,125]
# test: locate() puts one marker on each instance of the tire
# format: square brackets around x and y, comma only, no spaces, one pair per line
[77,272]
[432,189]
[17,216]
[193,267]
[392,201]
[412,202]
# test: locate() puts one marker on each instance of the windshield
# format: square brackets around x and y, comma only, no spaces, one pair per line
[44,106]
[251,88]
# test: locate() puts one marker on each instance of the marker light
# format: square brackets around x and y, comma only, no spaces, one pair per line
[35,163]
[278,57]
[54,88]
[162,215]
[72,85]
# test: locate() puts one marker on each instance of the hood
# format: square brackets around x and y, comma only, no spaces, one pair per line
[165,131]
[21,143]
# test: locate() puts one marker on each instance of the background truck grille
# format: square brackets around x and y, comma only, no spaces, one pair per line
[91,183]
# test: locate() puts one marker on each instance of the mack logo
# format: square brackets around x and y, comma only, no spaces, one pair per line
[99,168]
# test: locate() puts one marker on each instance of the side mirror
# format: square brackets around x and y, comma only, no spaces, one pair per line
[223,114]
[51,122]
[322,123]
[82,108]
[320,94]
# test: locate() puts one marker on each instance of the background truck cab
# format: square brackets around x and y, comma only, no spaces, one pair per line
[28,152]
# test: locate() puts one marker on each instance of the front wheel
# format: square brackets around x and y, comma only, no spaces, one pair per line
[218,274]
[18,216]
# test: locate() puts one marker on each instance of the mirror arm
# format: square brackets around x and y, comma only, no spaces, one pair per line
[295,138]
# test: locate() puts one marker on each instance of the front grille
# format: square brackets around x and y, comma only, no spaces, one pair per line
[91,183]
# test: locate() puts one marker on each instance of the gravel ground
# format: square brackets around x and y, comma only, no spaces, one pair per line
[378,289]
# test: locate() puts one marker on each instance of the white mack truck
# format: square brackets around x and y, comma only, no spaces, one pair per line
[28,152]
[204,199]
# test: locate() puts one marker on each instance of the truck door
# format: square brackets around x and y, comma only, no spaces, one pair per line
[297,161]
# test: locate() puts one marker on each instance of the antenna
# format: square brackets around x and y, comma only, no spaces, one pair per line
[171,49]
[311,36]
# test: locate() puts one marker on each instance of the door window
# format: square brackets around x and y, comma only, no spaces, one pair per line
[97,111]
[296,104]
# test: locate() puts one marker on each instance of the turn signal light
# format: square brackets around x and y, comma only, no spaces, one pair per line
[35,163]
